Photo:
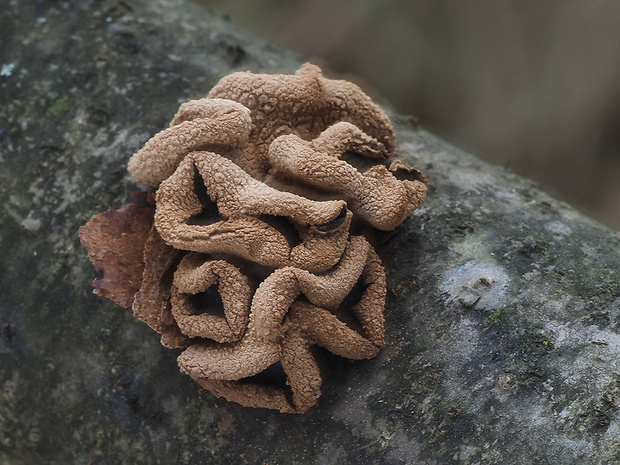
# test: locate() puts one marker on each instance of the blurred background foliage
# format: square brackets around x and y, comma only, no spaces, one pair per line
[531,84]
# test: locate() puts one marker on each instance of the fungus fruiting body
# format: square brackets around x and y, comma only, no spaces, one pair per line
[252,251]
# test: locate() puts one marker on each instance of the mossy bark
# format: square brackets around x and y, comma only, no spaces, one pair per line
[503,315]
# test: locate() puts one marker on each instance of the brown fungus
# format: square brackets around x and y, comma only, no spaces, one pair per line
[115,242]
[375,196]
[250,256]
[283,328]
[238,228]
[196,275]
[245,112]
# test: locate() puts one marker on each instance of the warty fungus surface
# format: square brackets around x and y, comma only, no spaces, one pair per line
[251,250]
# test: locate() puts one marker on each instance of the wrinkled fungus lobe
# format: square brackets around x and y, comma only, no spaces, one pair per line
[252,250]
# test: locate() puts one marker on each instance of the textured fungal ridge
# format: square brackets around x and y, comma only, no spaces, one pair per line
[252,248]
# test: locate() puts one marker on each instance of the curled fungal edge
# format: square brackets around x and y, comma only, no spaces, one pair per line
[252,251]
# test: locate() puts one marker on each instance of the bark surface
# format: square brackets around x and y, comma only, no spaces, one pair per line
[503,312]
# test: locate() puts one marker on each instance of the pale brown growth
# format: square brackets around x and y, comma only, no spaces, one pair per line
[376,196]
[204,124]
[236,225]
[152,302]
[245,112]
[195,275]
[252,256]
[305,104]
[282,329]
[115,243]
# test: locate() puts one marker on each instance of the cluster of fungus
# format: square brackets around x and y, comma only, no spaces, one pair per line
[252,249]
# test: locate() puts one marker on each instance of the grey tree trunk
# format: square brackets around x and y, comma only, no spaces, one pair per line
[503,315]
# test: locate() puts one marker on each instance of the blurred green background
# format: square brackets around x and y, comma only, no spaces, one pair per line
[532,84]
